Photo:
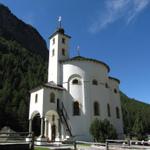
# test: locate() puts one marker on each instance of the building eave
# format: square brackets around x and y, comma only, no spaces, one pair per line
[79,58]
[47,85]
[112,78]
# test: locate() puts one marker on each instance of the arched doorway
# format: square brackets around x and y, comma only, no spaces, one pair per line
[53,135]
[52,125]
[36,125]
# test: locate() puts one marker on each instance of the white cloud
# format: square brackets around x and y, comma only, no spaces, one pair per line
[118,9]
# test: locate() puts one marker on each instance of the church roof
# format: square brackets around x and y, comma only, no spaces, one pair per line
[80,58]
[50,85]
[112,78]
[60,31]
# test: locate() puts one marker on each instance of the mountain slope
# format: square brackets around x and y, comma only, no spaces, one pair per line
[133,110]
[20,71]
[12,28]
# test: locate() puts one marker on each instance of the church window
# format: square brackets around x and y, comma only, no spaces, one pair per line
[36,98]
[115,91]
[53,41]
[94,82]
[96,109]
[63,51]
[53,52]
[52,98]
[106,85]
[108,110]
[63,40]
[76,108]
[117,113]
[76,81]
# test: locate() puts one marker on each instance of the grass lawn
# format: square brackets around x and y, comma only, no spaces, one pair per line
[40,148]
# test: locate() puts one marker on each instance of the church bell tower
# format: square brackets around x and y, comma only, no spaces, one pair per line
[58,51]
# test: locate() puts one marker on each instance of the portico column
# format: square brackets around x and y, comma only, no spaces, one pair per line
[46,127]
[59,128]
[42,127]
[30,125]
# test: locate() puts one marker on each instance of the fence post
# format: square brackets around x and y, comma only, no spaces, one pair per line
[32,141]
[128,142]
[106,145]
[75,145]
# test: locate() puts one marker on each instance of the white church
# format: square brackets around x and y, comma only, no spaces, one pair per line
[78,90]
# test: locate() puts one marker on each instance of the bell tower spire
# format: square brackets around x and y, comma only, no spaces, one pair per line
[58,50]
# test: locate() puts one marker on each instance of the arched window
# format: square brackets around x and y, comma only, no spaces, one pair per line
[94,82]
[76,109]
[76,81]
[117,113]
[36,98]
[108,110]
[52,98]
[96,109]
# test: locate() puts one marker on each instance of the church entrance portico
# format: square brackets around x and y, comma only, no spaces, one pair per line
[52,127]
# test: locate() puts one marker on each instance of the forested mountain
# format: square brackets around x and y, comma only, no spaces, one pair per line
[23,65]
[12,28]
[136,116]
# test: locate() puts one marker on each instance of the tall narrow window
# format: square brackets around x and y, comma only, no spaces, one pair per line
[63,40]
[106,85]
[115,91]
[36,98]
[108,110]
[94,82]
[53,41]
[52,98]
[63,51]
[76,109]
[53,52]
[117,113]
[96,109]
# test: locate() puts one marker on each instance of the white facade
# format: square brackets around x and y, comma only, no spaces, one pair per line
[79,89]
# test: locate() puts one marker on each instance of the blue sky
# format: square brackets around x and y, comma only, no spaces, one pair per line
[114,31]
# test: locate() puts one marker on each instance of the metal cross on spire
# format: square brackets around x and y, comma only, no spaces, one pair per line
[78,50]
[59,20]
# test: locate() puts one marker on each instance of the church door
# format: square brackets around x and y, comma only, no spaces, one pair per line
[53,129]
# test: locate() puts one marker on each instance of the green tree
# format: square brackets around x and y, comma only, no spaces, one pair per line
[138,129]
[102,130]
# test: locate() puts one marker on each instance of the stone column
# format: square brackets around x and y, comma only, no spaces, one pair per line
[42,127]
[30,125]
